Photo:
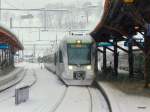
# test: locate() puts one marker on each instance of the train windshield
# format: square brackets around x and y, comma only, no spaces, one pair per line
[79,54]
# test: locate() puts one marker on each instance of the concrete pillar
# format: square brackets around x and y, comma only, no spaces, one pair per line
[7,51]
[9,56]
[104,59]
[2,55]
[96,62]
[130,56]
[147,55]
[115,58]
[5,54]
[12,58]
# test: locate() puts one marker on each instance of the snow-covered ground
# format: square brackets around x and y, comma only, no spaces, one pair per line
[48,94]
[82,99]
[126,96]
[123,102]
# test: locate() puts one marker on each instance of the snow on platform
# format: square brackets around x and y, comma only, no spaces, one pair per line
[125,101]
[12,77]
[77,100]
[48,94]
[43,95]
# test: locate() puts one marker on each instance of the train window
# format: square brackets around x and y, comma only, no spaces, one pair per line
[79,56]
[60,56]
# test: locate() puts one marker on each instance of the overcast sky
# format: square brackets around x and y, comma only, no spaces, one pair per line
[28,34]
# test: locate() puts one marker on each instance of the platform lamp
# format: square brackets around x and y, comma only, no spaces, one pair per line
[128,1]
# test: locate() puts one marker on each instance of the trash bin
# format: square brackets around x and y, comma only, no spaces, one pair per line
[21,94]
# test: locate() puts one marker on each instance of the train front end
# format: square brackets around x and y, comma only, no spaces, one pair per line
[80,63]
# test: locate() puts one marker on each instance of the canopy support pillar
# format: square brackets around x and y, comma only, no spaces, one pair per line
[130,57]
[104,59]
[147,55]
[115,58]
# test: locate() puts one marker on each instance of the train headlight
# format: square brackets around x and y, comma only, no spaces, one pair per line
[78,41]
[70,67]
[89,67]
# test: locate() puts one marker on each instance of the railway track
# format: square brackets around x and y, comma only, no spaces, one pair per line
[43,107]
[61,100]
[103,93]
[91,100]
[98,101]
[8,93]
[89,95]
[74,97]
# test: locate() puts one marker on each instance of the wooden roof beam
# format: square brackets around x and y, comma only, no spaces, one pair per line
[99,50]
[120,48]
[110,49]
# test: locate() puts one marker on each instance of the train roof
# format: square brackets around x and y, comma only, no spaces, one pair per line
[85,38]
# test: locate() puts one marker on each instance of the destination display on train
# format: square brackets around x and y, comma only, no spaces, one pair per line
[78,45]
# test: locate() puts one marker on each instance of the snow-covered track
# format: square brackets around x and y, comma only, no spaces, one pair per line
[104,94]
[91,100]
[81,99]
[59,102]
[35,77]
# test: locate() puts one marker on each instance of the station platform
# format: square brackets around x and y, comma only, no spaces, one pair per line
[6,70]
[10,76]
[124,94]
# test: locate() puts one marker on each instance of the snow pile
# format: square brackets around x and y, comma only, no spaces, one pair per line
[42,95]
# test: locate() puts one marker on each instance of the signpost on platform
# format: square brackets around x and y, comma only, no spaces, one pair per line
[104,44]
[4,46]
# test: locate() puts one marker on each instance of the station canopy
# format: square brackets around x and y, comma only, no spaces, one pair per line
[7,37]
[122,18]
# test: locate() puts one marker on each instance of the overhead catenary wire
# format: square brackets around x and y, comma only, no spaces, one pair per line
[11,5]
[19,9]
